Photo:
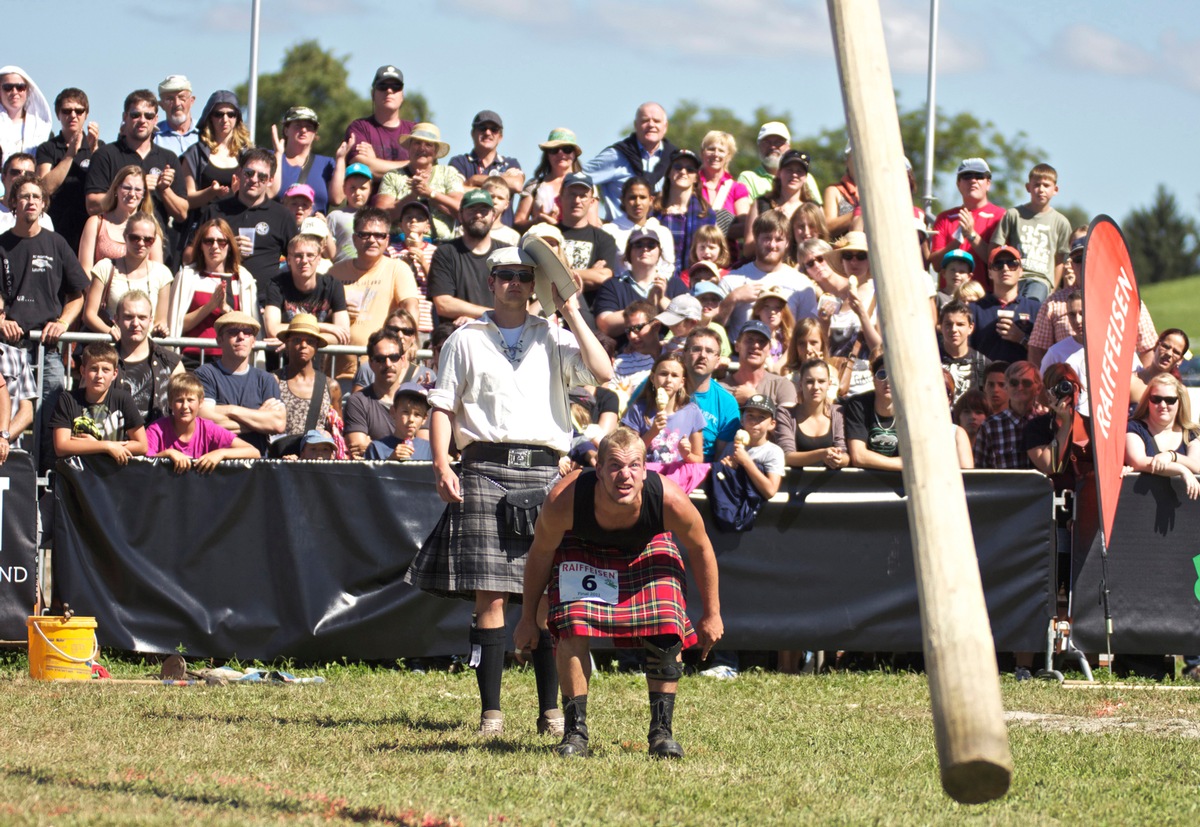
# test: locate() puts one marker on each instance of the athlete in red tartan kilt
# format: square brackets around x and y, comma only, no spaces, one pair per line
[604,544]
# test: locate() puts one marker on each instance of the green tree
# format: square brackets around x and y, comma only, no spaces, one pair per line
[959,136]
[1163,242]
[312,76]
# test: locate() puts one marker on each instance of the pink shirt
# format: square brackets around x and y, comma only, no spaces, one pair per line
[208,436]
[733,191]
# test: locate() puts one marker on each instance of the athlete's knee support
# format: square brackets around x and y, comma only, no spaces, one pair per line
[662,657]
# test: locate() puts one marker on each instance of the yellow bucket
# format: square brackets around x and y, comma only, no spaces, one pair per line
[59,649]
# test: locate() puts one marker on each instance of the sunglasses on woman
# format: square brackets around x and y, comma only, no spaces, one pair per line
[854,256]
[1163,400]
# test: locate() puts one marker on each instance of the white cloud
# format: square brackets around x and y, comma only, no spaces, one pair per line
[1086,48]
[906,32]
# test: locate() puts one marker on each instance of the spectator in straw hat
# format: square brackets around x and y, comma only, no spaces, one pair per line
[423,178]
[540,198]
[307,393]
[238,396]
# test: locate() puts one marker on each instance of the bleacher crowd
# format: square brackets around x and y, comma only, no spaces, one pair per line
[740,313]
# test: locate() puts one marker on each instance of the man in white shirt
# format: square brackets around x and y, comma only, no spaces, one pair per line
[502,394]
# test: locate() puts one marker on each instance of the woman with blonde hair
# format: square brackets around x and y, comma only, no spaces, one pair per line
[718,187]
[209,163]
[1161,436]
[104,233]
[112,278]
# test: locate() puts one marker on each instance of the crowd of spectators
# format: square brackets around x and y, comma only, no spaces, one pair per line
[181,227]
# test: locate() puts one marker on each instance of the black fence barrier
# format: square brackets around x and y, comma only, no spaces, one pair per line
[305,560]
[1153,573]
[18,544]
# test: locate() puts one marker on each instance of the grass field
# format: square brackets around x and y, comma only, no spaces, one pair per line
[1174,304]
[374,746]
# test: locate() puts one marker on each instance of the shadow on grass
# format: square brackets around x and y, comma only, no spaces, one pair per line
[404,720]
[287,802]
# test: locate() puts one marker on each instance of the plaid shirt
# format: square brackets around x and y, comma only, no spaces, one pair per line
[1000,442]
[1052,325]
[14,367]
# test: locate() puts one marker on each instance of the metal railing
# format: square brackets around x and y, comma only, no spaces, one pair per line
[174,342]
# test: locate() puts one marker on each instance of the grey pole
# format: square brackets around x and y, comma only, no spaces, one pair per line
[252,103]
[931,105]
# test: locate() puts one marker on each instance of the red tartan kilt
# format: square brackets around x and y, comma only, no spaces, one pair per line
[650,593]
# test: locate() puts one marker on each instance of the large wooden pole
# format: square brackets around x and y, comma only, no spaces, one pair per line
[960,660]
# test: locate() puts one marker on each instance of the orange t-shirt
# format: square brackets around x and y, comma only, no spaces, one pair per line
[370,296]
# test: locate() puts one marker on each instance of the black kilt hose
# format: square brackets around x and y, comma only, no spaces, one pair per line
[472,548]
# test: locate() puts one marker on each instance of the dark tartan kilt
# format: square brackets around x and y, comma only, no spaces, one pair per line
[471,548]
[650,593]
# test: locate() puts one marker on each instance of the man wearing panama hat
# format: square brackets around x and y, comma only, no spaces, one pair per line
[502,395]
[423,179]
[238,396]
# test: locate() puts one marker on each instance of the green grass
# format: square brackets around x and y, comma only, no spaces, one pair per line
[1174,303]
[374,746]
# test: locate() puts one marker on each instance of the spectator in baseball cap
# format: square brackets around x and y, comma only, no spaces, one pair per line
[485,161]
[299,164]
[375,140]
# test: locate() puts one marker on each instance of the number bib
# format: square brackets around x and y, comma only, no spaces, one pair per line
[579,581]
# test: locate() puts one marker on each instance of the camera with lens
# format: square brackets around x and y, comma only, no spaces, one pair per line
[1065,389]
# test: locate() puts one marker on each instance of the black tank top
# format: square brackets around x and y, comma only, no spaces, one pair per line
[637,536]
[804,442]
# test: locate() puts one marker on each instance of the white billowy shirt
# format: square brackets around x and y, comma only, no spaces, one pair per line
[495,399]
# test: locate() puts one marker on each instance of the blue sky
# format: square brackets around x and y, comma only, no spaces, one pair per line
[1110,90]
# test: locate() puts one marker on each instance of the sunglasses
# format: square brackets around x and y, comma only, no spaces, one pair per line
[973,176]
[74,111]
[386,357]
[371,236]
[139,239]
[687,169]
[237,332]
[814,260]
[225,113]
[1021,383]
[14,87]
[1006,264]
[256,175]
[523,276]
[488,127]
[403,331]
[144,116]
[645,244]
[881,375]
[389,87]
[857,256]
[1163,400]
[567,150]
[215,242]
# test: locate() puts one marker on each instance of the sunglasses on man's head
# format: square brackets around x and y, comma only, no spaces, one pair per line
[523,276]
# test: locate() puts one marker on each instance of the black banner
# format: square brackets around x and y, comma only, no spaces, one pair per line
[305,560]
[18,544]
[1153,573]
[833,568]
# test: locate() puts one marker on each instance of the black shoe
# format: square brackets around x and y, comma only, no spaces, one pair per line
[573,745]
[662,745]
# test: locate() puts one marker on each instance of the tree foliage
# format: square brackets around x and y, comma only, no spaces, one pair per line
[959,136]
[1163,242]
[311,76]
